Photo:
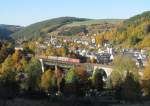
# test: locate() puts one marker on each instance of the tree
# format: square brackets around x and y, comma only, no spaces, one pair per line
[131,88]
[33,72]
[145,43]
[81,72]
[70,82]
[16,56]
[23,62]
[50,51]
[124,64]
[97,77]
[40,40]
[8,84]
[146,80]
[70,76]
[59,79]
[115,79]
[62,51]
[99,39]
[125,70]
[147,29]
[8,65]
[82,81]
[5,50]
[46,81]
[134,40]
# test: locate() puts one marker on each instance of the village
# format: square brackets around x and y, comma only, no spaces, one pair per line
[87,47]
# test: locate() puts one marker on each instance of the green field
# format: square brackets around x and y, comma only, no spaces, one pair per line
[95,21]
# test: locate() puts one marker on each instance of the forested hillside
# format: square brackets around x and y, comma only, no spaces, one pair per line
[7,30]
[133,32]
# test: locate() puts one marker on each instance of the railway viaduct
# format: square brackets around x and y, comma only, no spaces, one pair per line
[67,65]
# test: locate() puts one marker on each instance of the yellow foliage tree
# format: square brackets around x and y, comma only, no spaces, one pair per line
[61,52]
[122,66]
[46,80]
[16,56]
[99,39]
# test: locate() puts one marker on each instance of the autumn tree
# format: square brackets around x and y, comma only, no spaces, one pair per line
[46,81]
[59,76]
[50,51]
[8,84]
[24,62]
[82,81]
[145,43]
[70,76]
[131,88]
[62,52]
[40,40]
[70,82]
[5,50]
[124,66]
[16,56]
[99,39]
[33,72]
[147,29]
[115,79]
[146,80]
[81,72]
[7,65]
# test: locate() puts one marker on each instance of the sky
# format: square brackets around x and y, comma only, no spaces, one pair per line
[26,12]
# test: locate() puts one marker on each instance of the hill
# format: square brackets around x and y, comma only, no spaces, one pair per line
[44,27]
[63,26]
[7,30]
[135,31]
[132,32]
